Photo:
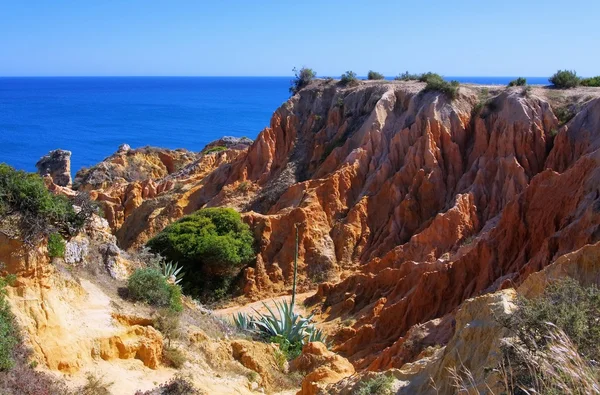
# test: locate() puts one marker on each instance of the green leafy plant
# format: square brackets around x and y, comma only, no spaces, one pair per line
[565,79]
[40,211]
[302,78]
[212,245]
[243,321]
[593,81]
[435,82]
[349,78]
[518,82]
[9,336]
[56,246]
[406,76]
[172,272]
[289,350]
[380,385]
[150,286]
[167,323]
[373,75]
[212,150]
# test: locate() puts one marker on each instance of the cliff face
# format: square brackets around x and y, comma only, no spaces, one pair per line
[410,203]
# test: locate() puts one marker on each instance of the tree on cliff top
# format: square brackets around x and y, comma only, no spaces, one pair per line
[302,78]
[212,245]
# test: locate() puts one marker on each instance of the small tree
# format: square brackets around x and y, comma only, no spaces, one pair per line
[518,82]
[302,78]
[565,79]
[349,78]
[373,75]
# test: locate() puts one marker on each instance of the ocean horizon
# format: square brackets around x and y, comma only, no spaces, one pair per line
[92,116]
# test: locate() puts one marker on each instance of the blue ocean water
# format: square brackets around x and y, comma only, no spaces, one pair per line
[92,116]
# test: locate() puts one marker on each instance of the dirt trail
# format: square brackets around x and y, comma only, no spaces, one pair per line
[250,308]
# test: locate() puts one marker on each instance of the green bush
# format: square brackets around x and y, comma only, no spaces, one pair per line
[56,245]
[373,75]
[150,286]
[9,337]
[212,150]
[556,340]
[349,78]
[408,77]
[41,211]
[380,385]
[302,78]
[211,244]
[564,79]
[289,350]
[518,82]
[593,81]
[435,82]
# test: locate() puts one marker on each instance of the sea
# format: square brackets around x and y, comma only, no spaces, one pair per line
[92,116]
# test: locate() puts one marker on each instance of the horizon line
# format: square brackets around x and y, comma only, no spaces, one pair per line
[236,76]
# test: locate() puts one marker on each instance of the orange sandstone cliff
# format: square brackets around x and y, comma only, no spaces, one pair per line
[410,202]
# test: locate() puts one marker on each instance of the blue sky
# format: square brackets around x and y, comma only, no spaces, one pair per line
[268,38]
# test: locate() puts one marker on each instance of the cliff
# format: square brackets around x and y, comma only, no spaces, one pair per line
[410,202]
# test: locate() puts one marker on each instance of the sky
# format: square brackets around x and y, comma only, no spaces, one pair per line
[270,37]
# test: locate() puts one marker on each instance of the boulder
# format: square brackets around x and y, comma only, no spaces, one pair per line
[57,165]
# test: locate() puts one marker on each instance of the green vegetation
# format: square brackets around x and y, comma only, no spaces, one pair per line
[41,212]
[564,113]
[373,75]
[564,79]
[179,385]
[217,148]
[518,82]
[435,82]
[171,271]
[286,348]
[212,245]
[556,343]
[95,385]
[9,336]
[150,286]
[302,78]
[349,78]
[408,77]
[56,245]
[593,81]
[380,385]
[167,323]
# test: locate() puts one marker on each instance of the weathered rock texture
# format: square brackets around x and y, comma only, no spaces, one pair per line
[56,165]
[410,203]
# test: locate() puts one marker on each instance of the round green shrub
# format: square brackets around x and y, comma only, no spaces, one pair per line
[349,78]
[212,245]
[56,246]
[373,75]
[302,78]
[150,286]
[564,79]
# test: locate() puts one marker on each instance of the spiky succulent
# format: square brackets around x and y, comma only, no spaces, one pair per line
[243,321]
[172,272]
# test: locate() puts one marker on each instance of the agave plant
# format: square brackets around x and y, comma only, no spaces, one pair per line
[244,321]
[171,271]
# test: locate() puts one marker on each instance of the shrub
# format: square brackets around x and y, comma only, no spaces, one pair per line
[594,81]
[178,385]
[211,244]
[302,78]
[408,77]
[518,82]
[212,150]
[373,75]
[380,385]
[56,246]
[349,78]
[174,357]
[289,350]
[9,336]
[564,113]
[435,82]
[95,386]
[557,338]
[41,211]
[564,79]
[150,286]
[167,323]
[425,77]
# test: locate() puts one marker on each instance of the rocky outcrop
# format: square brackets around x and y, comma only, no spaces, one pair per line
[323,367]
[410,203]
[57,166]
